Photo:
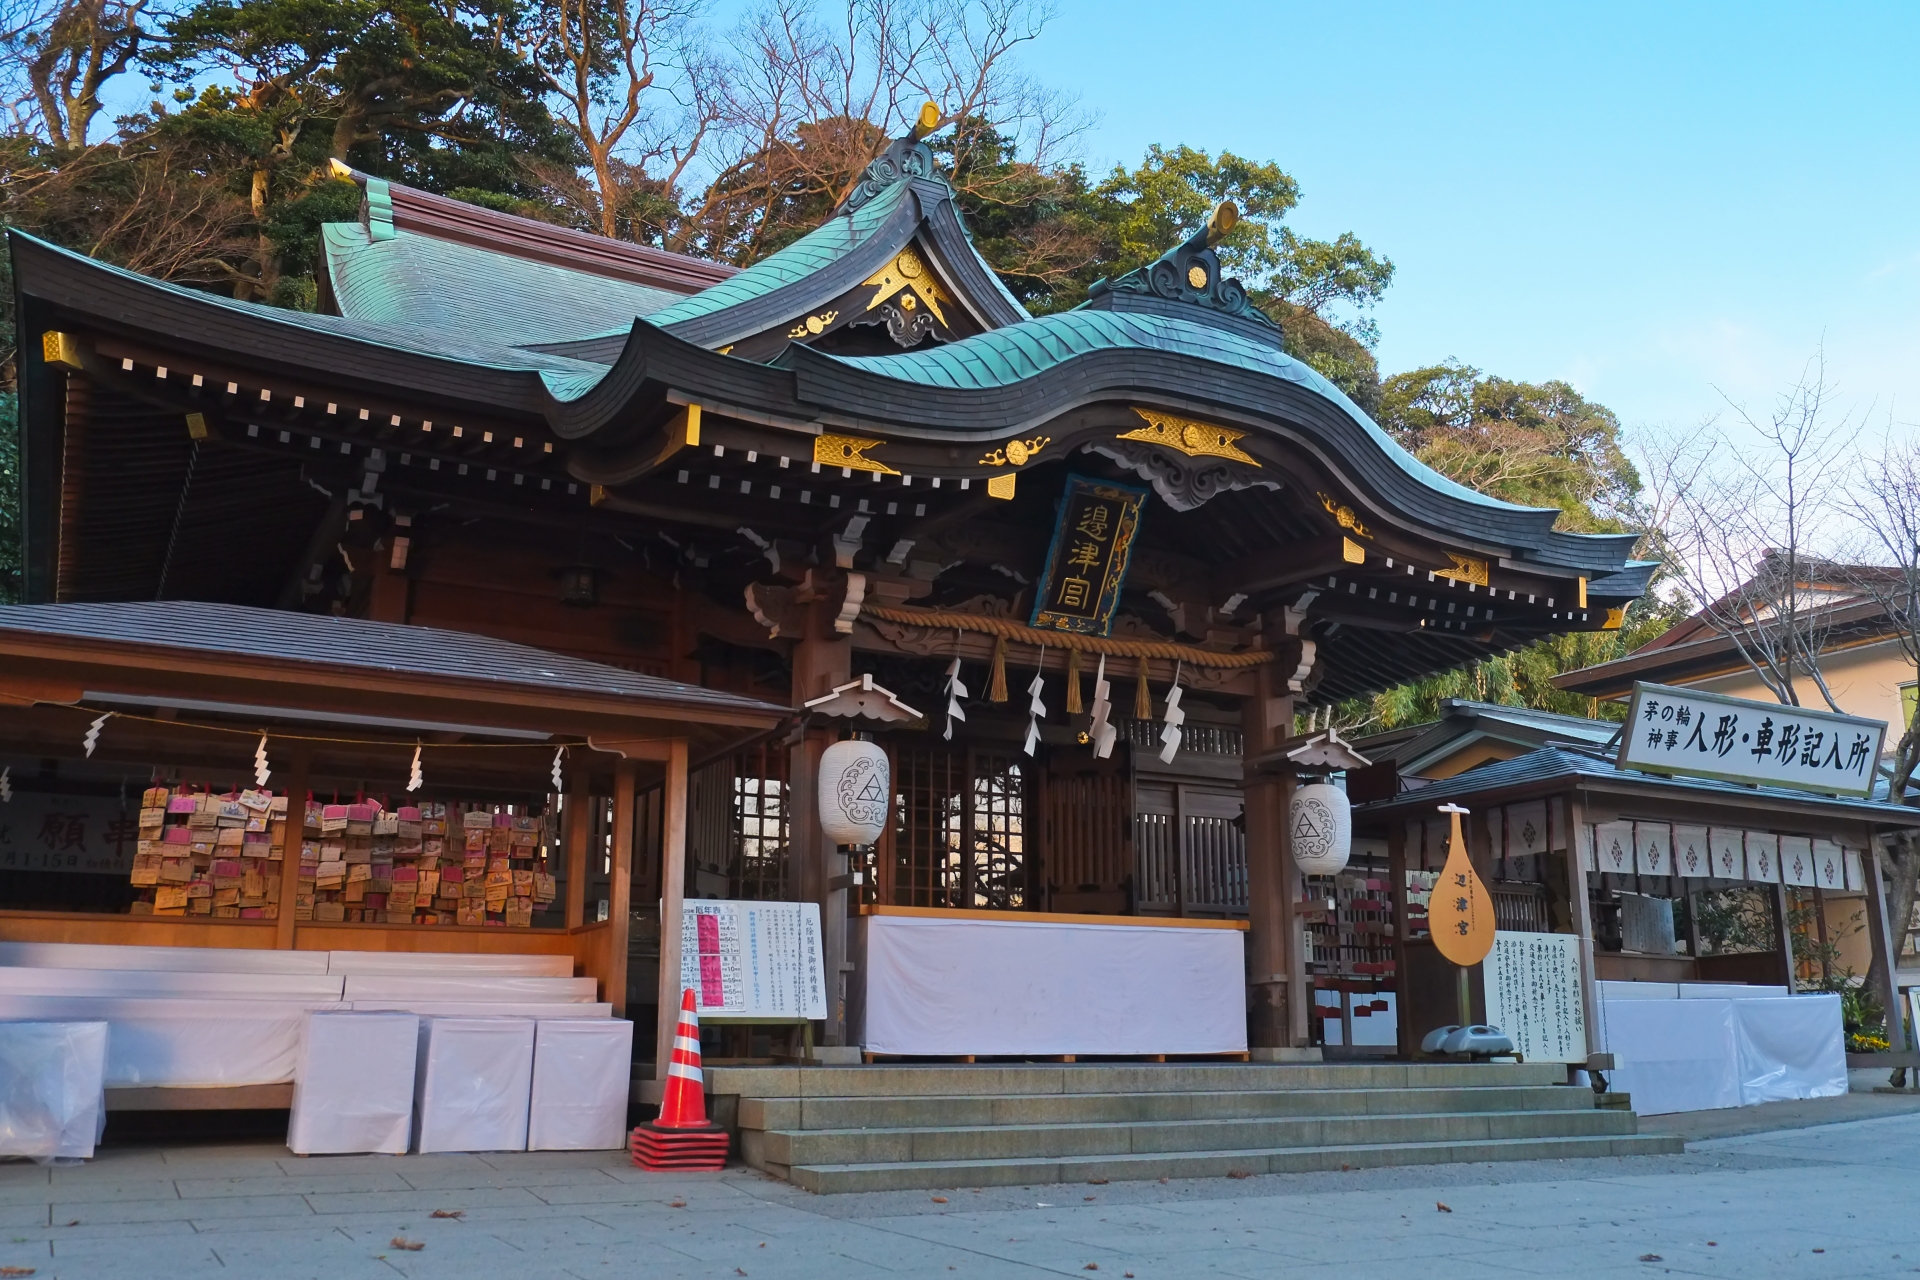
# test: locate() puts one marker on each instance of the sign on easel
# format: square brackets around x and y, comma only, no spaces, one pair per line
[1533,994]
[753,960]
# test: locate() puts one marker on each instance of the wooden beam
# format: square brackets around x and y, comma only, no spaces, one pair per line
[577,826]
[620,883]
[673,893]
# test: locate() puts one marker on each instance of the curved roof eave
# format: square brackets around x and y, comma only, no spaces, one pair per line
[578,400]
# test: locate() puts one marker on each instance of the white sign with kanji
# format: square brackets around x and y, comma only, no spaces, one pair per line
[1709,735]
[748,960]
[1533,994]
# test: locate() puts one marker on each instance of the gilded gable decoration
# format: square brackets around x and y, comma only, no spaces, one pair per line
[849,453]
[1343,514]
[1195,439]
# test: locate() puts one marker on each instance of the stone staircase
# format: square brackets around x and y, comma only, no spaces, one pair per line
[881,1128]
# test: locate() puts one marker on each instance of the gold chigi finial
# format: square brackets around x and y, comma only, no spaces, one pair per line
[1221,222]
[928,121]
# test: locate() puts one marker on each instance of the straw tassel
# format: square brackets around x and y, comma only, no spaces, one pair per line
[1073,682]
[1142,699]
[997,685]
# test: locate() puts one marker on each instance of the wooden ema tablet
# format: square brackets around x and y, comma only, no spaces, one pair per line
[1460,913]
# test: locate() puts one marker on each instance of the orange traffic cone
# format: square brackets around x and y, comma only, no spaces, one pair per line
[682,1137]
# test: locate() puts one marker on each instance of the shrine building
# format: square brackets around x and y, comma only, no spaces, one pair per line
[544,523]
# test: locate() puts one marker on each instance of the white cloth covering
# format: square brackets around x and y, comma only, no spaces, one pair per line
[423,964]
[52,1104]
[185,1042]
[582,1079]
[1700,1046]
[354,1087]
[473,1082]
[1790,1048]
[164,984]
[1673,1055]
[956,986]
[92,955]
[475,987]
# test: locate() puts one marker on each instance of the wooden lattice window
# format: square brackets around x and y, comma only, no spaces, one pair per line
[761,866]
[1190,850]
[958,838]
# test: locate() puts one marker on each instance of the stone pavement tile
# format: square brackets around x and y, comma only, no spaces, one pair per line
[608,1191]
[295,1184]
[25,1215]
[580,1160]
[265,1223]
[427,1177]
[422,1202]
[108,1187]
[331,1164]
[99,1212]
[24,1173]
[97,1230]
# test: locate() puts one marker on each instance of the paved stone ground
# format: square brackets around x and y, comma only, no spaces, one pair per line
[1833,1198]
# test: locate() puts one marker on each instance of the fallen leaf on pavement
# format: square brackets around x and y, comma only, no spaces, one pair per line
[1093,1266]
[411,1246]
[1096,1182]
[1238,1173]
[449,1213]
[17,1271]
[1442,1207]
[1651,1257]
[737,1271]
[676,1204]
[1089,1197]
[939,1199]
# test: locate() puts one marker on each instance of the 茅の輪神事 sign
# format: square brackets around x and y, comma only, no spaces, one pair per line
[1088,559]
[1709,735]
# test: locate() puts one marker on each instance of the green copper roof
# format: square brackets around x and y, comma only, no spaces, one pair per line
[567,378]
[410,279]
[815,251]
[1003,357]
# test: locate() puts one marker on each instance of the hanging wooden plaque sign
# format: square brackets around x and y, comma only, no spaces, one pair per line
[1092,542]
[1460,914]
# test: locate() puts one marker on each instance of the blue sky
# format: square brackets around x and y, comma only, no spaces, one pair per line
[1649,201]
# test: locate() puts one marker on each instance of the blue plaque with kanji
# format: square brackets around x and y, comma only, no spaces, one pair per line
[1092,542]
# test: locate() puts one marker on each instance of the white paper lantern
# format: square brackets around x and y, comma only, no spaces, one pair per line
[1321,824]
[854,792]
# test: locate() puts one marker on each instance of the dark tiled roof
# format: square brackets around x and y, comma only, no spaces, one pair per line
[387,647]
[1559,764]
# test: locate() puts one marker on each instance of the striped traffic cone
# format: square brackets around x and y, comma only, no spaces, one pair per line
[682,1137]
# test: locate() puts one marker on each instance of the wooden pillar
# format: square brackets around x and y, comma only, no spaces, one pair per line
[1820,926]
[1783,925]
[1274,1011]
[1582,907]
[673,895]
[299,767]
[620,884]
[576,829]
[822,659]
[1397,887]
[1881,937]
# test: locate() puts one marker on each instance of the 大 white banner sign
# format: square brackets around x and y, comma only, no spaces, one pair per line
[1709,735]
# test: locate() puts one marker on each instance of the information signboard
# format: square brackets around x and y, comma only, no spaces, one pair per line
[1533,994]
[74,834]
[1709,735]
[748,961]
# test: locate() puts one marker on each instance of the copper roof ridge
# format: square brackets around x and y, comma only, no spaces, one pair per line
[444,218]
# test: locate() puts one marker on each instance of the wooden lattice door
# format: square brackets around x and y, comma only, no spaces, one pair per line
[1086,849]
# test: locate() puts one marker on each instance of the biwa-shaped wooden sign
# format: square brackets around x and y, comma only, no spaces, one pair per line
[1460,913]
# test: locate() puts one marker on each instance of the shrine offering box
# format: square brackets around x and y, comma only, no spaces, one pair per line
[582,1075]
[52,1088]
[353,1086]
[472,1084]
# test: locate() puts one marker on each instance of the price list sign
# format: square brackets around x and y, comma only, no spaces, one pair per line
[748,960]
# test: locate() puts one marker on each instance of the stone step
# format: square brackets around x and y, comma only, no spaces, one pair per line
[1030,1078]
[766,1148]
[946,1111]
[926,1175]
